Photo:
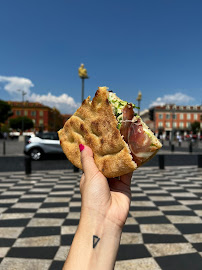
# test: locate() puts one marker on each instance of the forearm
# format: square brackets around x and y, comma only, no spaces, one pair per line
[95,244]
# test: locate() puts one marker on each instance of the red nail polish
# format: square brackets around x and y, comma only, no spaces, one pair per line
[81,147]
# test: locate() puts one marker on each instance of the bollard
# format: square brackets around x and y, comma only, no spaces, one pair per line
[161,162]
[199,161]
[28,165]
[172,147]
[190,147]
[76,169]
[4,147]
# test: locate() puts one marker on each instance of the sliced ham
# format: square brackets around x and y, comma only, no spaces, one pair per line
[128,115]
[139,142]
[133,133]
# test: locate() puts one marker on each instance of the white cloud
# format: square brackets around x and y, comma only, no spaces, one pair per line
[64,103]
[13,84]
[177,98]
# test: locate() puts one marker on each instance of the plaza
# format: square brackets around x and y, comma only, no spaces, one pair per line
[40,214]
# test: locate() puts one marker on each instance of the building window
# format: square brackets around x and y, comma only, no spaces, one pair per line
[25,113]
[188,116]
[167,124]
[188,108]
[181,125]
[174,116]
[33,113]
[167,107]
[160,116]
[174,124]
[181,108]
[188,124]
[160,124]
[167,116]
[41,113]
[41,122]
[18,113]
[195,116]
[181,116]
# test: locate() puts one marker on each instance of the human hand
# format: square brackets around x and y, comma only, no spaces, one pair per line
[103,198]
[105,206]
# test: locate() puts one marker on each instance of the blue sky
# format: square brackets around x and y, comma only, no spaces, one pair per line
[150,45]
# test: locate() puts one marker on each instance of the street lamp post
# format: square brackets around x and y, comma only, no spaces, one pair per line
[83,75]
[172,131]
[23,94]
[139,98]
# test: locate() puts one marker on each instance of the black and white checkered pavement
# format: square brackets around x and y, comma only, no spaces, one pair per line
[40,214]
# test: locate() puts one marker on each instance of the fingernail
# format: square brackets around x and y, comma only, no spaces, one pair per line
[81,147]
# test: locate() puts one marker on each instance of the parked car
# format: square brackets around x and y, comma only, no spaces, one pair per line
[42,144]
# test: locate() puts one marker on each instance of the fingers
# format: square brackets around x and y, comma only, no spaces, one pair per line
[88,164]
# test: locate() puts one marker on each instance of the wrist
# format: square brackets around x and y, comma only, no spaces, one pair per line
[95,244]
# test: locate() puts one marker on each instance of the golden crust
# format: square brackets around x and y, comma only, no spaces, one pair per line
[95,125]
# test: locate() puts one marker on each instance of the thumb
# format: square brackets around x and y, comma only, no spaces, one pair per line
[88,164]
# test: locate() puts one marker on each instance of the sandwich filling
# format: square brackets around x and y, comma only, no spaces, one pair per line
[142,143]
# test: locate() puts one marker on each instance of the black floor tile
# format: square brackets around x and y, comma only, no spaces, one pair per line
[186,198]
[127,252]
[166,203]
[179,213]
[153,220]
[51,215]
[31,200]
[189,228]
[4,205]
[6,242]
[66,239]
[75,199]
[20,210]
[191,261]
[56,265]
[195,206]
[71,222]
[75,209]
[61,189]
[14,222]
[39,231]
[33,252]
[131,228]
[163,238]
[140,198]
[143,208]
[56,204]
[198,246]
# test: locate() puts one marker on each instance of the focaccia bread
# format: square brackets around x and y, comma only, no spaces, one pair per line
[94,124]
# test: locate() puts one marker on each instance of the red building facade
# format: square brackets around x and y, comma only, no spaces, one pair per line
[43,117]
[177,119]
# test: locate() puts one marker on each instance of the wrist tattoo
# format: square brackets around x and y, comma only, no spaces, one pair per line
[96,239]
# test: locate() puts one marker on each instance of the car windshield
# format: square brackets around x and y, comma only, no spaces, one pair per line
[48,136]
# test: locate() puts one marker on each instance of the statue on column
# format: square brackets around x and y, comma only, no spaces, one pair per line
[82,72]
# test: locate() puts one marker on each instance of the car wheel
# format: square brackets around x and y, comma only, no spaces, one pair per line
[36,153]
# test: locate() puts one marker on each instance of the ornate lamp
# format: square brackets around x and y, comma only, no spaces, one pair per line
[139,98]
[83,75]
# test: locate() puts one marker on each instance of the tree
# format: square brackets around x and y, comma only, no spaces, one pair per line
[16,123]
[5,111]
[195,127]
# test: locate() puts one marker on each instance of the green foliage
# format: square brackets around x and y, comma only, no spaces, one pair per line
[16,123]
[195,127]
[5,111]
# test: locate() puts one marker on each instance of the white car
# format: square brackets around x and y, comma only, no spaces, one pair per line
[44,143]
